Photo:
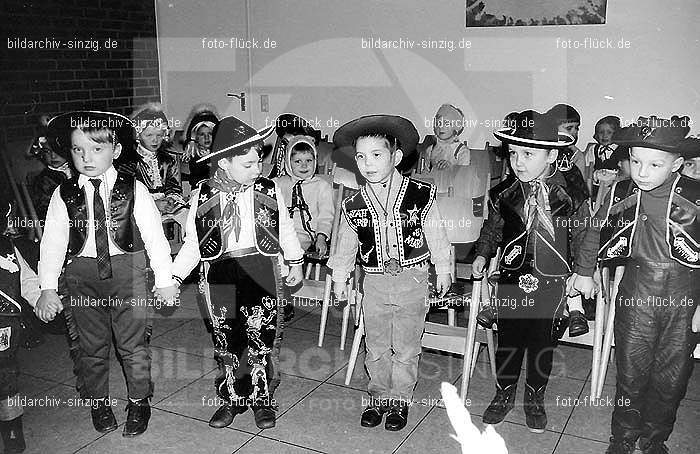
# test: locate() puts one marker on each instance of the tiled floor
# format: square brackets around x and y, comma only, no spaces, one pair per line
[318,413]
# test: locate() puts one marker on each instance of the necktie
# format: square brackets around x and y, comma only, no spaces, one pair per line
[232,217]
[104,263]
[538,208]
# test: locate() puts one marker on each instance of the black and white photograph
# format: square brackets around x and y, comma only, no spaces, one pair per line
[331,226]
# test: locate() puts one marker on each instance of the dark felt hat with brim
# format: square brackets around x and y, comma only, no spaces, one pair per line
[690,147]
[395,126]
[533,129]
[231,134]
[60,127]
[289,123]
[653,132]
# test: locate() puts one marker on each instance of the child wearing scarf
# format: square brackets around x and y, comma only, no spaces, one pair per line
[447,149]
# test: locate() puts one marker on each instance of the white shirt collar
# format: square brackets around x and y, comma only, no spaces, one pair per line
[110,176]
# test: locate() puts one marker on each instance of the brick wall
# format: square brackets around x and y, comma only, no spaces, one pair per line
[100,55]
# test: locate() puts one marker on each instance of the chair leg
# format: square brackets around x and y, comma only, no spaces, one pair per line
[346,320]
[491,345]
[307,275]
[475,357]
[324,310]
[355,351]
[317,272]
[451,317]
[471,337]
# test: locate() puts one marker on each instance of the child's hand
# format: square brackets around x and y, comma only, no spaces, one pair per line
[169,295]
[321,246]
[48,305]
[340,290]
[478,267]
[581,284]
[443,283]
[295,276]
[696,320]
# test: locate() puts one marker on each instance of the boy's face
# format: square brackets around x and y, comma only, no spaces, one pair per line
[243,169]
[303,164]
[570,128]
[151,138]
[604,133]
[92,158]
[375,160]
[203,137]
[529,163]
[691,168]
[53,159]
[650,168]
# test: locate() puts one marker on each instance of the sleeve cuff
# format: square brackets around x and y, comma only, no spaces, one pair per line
[299,261]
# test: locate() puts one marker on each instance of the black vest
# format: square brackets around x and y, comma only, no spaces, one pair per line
[551,258]
[121,224]
[411,206]
[209,223]
[9,280]
[682,220]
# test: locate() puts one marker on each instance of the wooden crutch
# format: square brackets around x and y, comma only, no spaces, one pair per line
[609,328]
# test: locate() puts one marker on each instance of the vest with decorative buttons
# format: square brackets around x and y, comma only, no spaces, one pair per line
[209,224]
[412,203]
[121,224]
[682,221]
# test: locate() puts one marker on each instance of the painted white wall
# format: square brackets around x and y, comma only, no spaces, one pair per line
[321,70]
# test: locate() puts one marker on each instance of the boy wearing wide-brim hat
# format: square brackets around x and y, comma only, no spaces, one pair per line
[690,149]
[652,222]
[99,223]
[394,223]
[239,228]
[535,216]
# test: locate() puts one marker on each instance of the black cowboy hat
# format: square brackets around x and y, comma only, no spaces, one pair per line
[533,129]
[690,147]
[230,134]
[398,127]
[60,128]
[653,132]
[289,123]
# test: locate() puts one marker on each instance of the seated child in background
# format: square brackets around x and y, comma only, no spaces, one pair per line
[569,121]
[287,126]
[691,150]
[445,149]
[309,198]
[57,171]
[600,168]
[155,164]
[198,139]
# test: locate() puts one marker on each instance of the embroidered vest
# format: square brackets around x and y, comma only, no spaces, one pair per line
[549,258]
[9,281]
[121,223]
[412,203]
[209,225]
[682,221]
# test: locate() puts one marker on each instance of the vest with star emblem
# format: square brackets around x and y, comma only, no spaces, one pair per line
[209,224]
[411,206]
[122,226]
[9,280]
[682,221]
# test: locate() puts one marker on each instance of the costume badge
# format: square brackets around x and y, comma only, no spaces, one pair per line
[9,263]
[513,254]
[616,250]
[415,239]
[5,334]
[528,283]
[263,217]
[392,267]
[685,250]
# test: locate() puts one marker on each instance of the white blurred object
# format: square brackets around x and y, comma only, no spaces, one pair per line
[468,435]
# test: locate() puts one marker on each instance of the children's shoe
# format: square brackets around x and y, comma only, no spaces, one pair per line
[486,317]
[501,405]
[652,447]
[223,417]
[103,417]
[372,416]
[620,446]
[265,417]
[13,435]
[578,325]
[533,405]
[396,418]
[139,413]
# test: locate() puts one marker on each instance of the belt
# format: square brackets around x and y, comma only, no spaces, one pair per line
[402,268]
[236,253]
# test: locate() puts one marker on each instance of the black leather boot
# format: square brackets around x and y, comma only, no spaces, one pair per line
[224,415]
[652,446]
[139,413]
[533,405]
[396,418]
[264,416]
[578,325]
[102,416]
[500,405]
[487,317]
[620,446]
[13,435]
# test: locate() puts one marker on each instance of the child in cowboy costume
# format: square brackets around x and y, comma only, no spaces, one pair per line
[394,224]
[652,222]
[238,226]
[533,215]
[100,224]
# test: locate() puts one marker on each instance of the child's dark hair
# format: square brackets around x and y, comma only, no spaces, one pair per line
[392,143]
[564,113]
[301,147]
[611,120]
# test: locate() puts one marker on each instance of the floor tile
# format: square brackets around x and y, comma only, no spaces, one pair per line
[189,337]
[575,445]
[300,356]
[259,444]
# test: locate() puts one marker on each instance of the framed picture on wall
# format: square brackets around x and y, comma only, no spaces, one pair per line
[509,13]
